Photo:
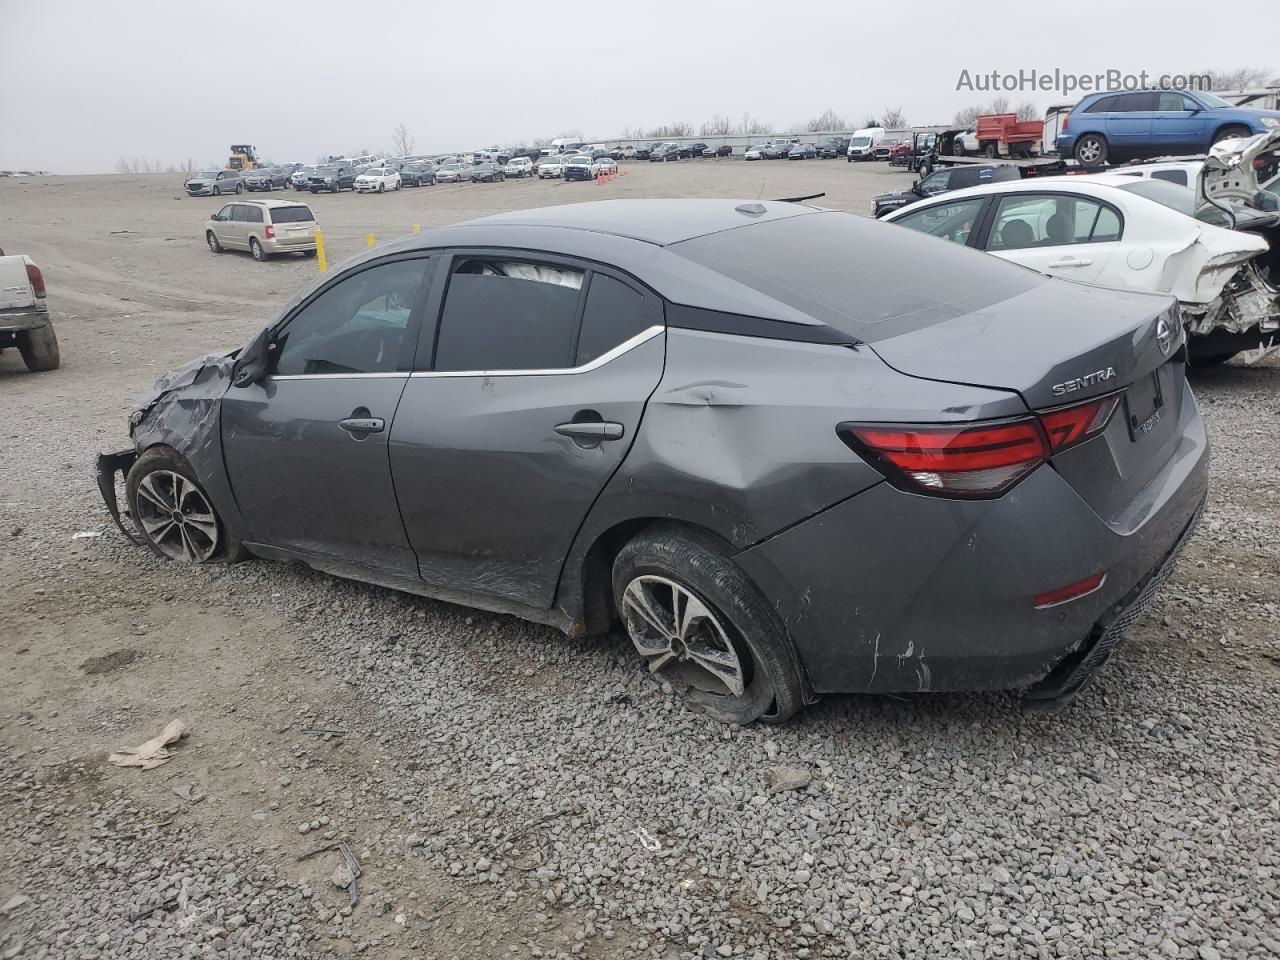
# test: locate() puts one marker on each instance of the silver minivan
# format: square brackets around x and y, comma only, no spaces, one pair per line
[263,227]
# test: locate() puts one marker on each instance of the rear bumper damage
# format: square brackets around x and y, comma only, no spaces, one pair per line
[938,595]
[1247,305]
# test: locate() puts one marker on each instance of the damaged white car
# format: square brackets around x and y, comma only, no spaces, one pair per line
[1215,246]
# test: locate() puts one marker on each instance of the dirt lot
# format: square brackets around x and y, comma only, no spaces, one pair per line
[508,792]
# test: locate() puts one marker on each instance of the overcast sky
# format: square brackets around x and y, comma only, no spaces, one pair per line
[86,82]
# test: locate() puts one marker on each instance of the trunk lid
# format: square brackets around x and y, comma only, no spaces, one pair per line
[15,288]
[1060,343]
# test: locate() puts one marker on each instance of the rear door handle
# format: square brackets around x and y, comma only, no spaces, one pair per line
[591,430]
[355,425]
[1071,262]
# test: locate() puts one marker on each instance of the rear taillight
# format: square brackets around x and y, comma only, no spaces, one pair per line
[976,460]
[269,232]
[36,279]
[1067,426]
[1065,121]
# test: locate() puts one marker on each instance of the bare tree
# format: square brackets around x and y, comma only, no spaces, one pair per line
[999,105]
[871,122]
[1027,110]
[750,125]
[965,117]
[1241,78]
[401,141]
[827,120]
[717,126]
[893,119]
[677,129]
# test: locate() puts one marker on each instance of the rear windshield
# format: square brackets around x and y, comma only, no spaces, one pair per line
[298,214]
[867,279]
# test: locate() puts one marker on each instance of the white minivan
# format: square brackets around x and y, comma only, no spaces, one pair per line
[863,143]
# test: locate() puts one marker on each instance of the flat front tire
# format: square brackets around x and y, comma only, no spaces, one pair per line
[699,622]
[174,514]
[39,349]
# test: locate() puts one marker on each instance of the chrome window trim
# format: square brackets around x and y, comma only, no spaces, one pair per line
[644,336]
[382,375]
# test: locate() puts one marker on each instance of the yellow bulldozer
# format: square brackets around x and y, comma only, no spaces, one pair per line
[244,156]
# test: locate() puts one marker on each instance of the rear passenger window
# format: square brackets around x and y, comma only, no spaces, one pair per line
[255,214]
[1031,220]
[614,314]
[507,315]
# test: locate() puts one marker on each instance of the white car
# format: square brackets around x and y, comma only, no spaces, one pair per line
[24,313]
[378,180]
[1182,172]
[518,167]
[966,142]
[755,152]
[1136,233]
[607,165]
[551,167]
[581,167]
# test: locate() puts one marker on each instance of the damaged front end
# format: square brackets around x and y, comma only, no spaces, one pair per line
[180,411]
[1235,304]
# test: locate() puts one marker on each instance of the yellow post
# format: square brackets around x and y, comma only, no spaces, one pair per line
[324,265]
[417,228]
[370,239]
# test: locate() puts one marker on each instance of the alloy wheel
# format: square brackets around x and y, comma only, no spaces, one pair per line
[1090,150]
[673,629]
[176,517]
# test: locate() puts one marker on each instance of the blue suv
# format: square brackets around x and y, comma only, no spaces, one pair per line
[1154,123]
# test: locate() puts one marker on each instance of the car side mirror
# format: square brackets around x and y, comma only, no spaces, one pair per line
[254,361]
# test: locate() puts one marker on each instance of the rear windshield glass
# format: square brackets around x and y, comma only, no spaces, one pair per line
[299,214]
[867,279]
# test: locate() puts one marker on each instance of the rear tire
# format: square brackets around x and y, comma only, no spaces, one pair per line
[207,540]
[39,349]
[666,557]
[1091,150]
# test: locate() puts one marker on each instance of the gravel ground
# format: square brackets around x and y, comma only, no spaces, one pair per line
[511,793]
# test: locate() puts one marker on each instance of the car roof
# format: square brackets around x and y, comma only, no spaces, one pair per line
[660,222]
[1063,184]
[271,203]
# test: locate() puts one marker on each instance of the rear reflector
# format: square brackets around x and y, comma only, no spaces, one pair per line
[36,279]
[976,460]
[1051,598]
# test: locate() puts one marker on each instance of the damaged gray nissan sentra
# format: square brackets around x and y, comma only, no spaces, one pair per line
[786,469]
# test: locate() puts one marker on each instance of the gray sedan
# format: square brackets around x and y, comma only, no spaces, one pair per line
[790,451]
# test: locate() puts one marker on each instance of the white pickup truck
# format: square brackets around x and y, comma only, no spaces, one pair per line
[24,314]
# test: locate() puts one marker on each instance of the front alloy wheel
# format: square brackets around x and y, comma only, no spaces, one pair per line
[176,517]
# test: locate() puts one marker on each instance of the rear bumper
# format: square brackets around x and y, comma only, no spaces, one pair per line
[891,591]
[17,321]
[279,245]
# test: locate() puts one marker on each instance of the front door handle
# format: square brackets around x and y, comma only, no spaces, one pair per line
[361,425]
[1071,262]
[591,430]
